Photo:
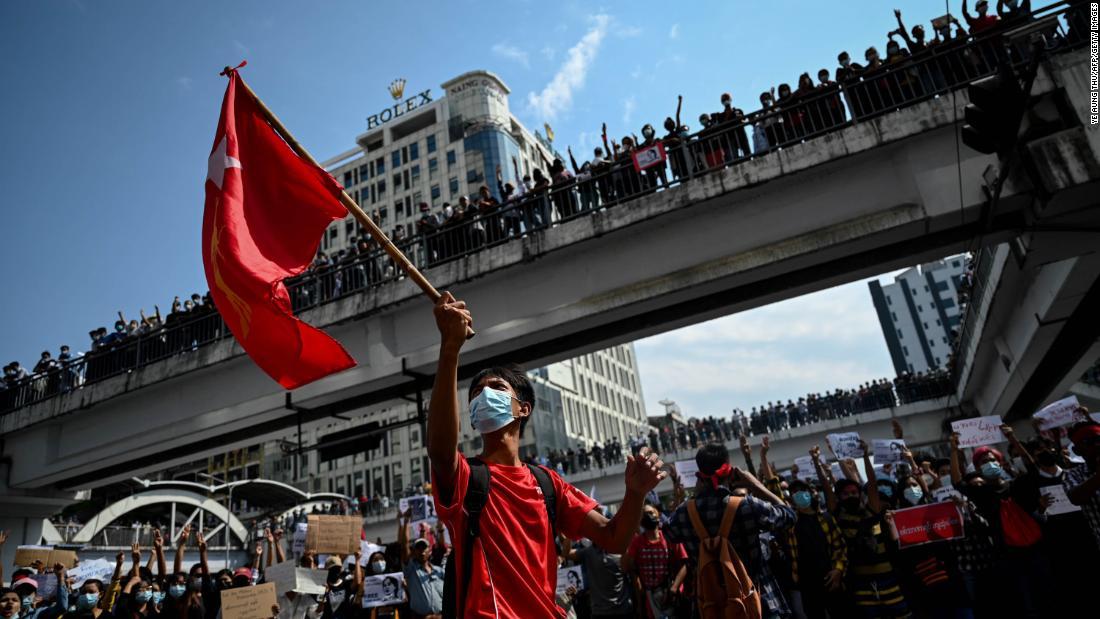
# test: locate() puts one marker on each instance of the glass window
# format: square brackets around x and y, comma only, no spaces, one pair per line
[435,192]
[905,349]
[380,165]
[451,159]
[431,143]
[889,301]
[347,179]
[363,173]
[415,173]
[398,208]
[453,186]
[414,151]
[395,159]
[404,154]
[382,212]
[396,181]
[899,334]
[433,167]
[381,188]
[417,198]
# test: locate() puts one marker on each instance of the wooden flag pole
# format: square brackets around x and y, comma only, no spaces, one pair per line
[349,203]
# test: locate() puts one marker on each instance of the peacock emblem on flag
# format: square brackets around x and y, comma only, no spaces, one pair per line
[239,305]
[397,88]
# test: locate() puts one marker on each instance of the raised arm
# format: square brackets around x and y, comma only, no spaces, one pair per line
[135,552]
[403,534]
[679,105]
[823,479]
[643,473]
[765,467]
[908,455]
[201,543]
[873,500]
[956,461]
[746,450]
[1010,436]
[280,554]
[603,134]
[270,538]
[572,160]
[181,543]
[570,554]
[452,318]
[257,557]
[903,32]
[158,549]
[966,13]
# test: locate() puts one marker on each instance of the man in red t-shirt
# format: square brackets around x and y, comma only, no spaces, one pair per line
[513,568]
[659,566]
[984,21]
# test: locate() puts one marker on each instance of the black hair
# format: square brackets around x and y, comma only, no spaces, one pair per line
[711,457]
[843,483]
[94,581]
[938,462]
[516,378]
[797,485]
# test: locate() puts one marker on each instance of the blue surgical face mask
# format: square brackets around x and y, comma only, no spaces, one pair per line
[379,567]
[87,601]
[913,494]
[177,590]
[158,597]
[491,410]
[991,469]
[803,499]
[143,596]
[886,491]
[28,602]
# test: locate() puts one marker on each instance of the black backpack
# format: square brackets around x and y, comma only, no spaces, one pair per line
[477,495]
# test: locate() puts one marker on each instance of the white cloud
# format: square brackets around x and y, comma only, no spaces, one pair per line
[628,32]
[629,104]
[637,72]
[557,96]
[549,53]
[511,52]
[183,82]
[674,31]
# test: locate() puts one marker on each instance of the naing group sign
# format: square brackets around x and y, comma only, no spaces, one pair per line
[471,86]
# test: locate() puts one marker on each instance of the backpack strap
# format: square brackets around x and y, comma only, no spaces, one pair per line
[549,496]
[477,495]
[728,516]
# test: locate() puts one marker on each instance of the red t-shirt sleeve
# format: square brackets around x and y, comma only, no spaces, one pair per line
[573,508]
[448,511]
[677,552]
[634,548]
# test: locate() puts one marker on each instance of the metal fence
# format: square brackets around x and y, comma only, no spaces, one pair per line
[803,116]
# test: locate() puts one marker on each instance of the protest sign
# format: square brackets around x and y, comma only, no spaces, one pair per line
[366,549]
[806,470]
[248,602]
[422,510]
[978,431]
[649,156]
[686,470]
[47,585]
[927,523]
[1057,414]
[944,493]
[383,590]
[287,576]
[834,468]
[1060,503]
[27,555]
[298,538]
[845,445]
[887,451]
[570,577]
[98,569]
[333,534]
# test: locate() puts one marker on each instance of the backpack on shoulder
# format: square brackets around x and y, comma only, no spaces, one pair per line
[477,495]
[723,588]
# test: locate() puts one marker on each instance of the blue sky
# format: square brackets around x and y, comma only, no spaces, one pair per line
[109,110]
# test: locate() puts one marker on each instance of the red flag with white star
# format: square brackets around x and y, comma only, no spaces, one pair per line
[266,210]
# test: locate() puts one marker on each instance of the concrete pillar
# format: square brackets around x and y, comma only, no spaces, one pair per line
[22,513]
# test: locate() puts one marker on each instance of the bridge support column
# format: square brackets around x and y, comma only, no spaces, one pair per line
[22,514]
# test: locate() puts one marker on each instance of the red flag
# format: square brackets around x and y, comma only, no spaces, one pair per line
[266,209]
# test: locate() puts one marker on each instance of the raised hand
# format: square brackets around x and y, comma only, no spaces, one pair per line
[158,541]
[643,472]
[278,534]
[896,425]
[452,319]
[200,541]
[954,440]
[764,444]
[269,536]
[815,453]
[135,552]
[184,535]
[3,537]
[120,557]
[1007,431]
[259,548]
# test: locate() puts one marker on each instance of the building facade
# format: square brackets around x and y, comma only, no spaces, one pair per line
[918,312]
[432,150]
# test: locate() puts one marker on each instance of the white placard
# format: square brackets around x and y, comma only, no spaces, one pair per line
[383,590]
[845,445]
[366,549]
[1060,502]
[97,569]
[289,577]
[887,451]
[570,577]
[806,470]
[298,539]
[1057,414]
[686,470]
[423,510]
[944,493]
[834,468]
[979,431]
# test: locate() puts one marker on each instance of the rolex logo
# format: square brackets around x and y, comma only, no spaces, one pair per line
[397,89]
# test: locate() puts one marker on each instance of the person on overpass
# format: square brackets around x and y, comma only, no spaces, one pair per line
[504,561]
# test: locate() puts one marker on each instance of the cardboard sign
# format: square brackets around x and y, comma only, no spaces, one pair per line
[333,534]
[845,445]
[887,451]
[570,577]
[383,590]
[248,602]
[287,576]
[25,556]
[925,524]
[686,470]
[649,156]
[1060,502]
[979,431]
[1057,414]
[98,569]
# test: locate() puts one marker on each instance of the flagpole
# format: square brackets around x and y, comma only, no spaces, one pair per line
[349,203]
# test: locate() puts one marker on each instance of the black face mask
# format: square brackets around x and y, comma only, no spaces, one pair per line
[851,503]
[1046,458]
[649,522]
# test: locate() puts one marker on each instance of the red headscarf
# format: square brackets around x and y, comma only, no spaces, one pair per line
[715,478]
[980,452]
[1084,432]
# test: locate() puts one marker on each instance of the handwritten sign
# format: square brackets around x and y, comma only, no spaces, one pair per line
[383,590]
[97,569]
[845,445]
[333,534]
[570,577]
[1060,503]
[1057,414]
[649,156]
[887,451]
[686,470]
[978,431]
[806,470]
[248,602]
[26,556]
[925,524]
